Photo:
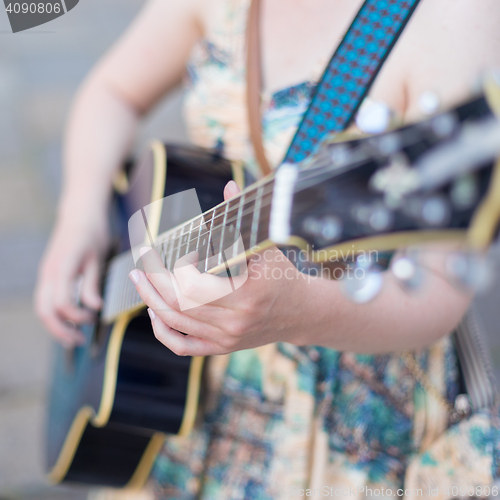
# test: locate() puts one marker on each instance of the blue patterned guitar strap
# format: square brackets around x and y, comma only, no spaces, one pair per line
[350,73]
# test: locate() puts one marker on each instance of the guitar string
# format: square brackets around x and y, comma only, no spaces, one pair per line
[216,213]
[244,217]
[135,300]
[177,238]
[127,258]
[321,166]
[249,206]
[405,138]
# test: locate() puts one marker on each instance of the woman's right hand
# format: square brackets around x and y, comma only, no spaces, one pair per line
[75,252]
[138,71]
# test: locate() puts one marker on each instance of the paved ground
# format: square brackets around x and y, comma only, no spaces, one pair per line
[39,71]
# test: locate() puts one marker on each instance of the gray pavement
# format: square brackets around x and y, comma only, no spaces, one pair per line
[39,72]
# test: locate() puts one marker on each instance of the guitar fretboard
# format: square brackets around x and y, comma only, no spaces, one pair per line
[220,236]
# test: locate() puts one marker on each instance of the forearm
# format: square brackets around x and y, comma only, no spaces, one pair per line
[99,135]
[395,321]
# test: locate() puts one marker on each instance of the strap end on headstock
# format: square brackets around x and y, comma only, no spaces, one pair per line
[284,188]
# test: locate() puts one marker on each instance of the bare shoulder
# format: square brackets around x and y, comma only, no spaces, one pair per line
[448,45]
[150,57]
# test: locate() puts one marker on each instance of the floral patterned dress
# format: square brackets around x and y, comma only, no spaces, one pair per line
[279,421]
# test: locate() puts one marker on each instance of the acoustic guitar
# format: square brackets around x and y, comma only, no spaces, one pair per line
[114,399]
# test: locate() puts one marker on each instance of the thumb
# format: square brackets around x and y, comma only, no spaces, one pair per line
[231,190]
[89,293]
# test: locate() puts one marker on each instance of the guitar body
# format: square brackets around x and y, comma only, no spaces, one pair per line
[113,399]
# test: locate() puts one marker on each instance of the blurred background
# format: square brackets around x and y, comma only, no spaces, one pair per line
[40,70]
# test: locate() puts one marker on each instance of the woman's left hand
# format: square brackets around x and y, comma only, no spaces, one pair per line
[267,307]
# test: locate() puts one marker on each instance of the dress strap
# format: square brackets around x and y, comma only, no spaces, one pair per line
[351,72]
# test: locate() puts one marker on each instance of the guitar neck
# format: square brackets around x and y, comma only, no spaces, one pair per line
[220,236]
[222,233]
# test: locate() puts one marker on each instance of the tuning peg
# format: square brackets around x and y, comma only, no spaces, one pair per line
[376,216]
[362,282]
[471,270]
[429,103]
[328,228]
[431,211]
[395,180]
[373,117]
[339,155]
[465,192]
[407,271]
[444,125]
[389,144]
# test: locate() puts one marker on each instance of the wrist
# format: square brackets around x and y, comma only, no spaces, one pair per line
[82,218]
[83,209]
[321,308]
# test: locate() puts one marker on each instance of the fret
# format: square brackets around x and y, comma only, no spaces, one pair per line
[193,236]
[221,249]
[163,252]
[256,215]
[230,227]
[178,244]
[183,241]
[238,225]
[264,218]
[209,238]
[169,251]
[199,233]
[247,216]
[189,236]
[247,219]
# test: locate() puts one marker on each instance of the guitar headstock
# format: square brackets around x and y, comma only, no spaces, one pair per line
[436,180]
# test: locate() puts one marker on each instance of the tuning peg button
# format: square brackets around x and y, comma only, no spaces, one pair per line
[444,125]
[339,155]
[363,282]
[377,216]
[328,228]
[429,103]
[373,117]
[389,144]
[433,211]
[465,192]
[471,270]
[407,271]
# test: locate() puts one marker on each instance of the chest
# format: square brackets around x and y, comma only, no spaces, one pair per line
[298,37]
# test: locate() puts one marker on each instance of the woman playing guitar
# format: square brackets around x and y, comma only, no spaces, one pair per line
[281,416]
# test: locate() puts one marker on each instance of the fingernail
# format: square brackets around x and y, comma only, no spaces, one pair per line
[144,250]
[151,313]
[134,276]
